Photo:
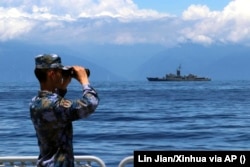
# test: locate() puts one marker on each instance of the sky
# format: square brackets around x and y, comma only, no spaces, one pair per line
[126,22]
[177,7]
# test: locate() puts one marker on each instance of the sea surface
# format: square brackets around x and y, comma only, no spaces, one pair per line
[138,115]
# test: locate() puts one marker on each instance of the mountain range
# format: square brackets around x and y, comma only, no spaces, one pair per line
[109,62]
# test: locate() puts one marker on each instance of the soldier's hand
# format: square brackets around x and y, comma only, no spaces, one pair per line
[81,75]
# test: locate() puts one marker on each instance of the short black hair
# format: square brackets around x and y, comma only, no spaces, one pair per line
[41,74]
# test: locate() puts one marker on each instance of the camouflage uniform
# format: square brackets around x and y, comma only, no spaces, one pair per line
[52,117]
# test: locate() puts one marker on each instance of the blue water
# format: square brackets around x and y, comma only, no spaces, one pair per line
[138,116]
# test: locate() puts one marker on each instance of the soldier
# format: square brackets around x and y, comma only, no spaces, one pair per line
[52,114]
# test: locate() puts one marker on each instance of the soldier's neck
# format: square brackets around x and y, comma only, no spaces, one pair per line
[46,86]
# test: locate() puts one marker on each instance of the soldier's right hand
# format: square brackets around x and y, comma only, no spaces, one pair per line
[81,75]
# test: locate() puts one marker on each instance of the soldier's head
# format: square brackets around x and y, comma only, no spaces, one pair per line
[48,67]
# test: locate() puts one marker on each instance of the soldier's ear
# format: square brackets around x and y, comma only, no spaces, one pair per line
[51,74]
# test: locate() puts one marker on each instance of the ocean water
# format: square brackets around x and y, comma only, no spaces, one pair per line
[138,116]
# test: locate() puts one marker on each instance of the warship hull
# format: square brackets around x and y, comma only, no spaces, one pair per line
[177,79]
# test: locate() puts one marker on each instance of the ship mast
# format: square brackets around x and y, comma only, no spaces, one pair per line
[178,71]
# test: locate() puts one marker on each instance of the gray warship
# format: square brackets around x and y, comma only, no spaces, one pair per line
[179,77]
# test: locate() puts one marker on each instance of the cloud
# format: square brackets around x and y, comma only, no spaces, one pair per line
[195,12]
[231,25]
[76,19]
[121,22]
[13,23]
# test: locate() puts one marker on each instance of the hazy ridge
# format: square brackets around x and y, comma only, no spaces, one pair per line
[130,62]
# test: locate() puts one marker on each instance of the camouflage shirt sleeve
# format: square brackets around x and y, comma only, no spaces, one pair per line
[71,110]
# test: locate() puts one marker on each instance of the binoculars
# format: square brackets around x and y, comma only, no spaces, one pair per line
[70,72]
